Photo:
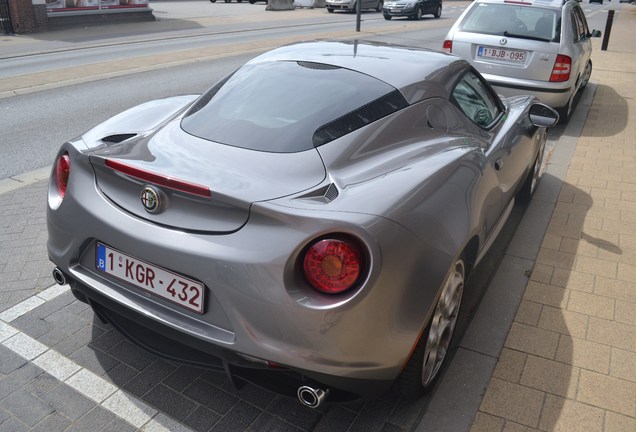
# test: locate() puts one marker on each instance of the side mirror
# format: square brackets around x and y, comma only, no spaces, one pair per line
[542,115]
[595,33]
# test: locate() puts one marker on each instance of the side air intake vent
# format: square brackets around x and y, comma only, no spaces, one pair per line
[331,193]
[324,195]
[118,138]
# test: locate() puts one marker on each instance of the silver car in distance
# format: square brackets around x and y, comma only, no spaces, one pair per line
[307,224]
[537,47]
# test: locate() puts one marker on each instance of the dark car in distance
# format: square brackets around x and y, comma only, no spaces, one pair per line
[412,9]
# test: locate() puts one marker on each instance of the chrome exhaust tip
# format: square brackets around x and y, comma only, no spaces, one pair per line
[311,397]
[59,276]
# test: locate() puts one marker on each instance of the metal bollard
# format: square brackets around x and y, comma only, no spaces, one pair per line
[608,29]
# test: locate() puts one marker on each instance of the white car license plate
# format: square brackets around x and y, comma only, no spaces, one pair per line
[506,55]
[149,277]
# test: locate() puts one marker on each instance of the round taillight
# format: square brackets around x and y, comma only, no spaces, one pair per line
[333,266]
[62,171]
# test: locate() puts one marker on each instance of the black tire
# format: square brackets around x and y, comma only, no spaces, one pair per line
[379,6]
[438,11]
[422,369]
[387,17]
[587,73]
[212,1]
[532,180]
[418,13]
[330,10]
[565,111]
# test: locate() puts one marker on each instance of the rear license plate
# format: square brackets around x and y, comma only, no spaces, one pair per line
[180,290]
[501,54]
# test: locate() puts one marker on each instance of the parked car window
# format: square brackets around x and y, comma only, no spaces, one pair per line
[581,24]
[489,18]
[278,106]
[473,96]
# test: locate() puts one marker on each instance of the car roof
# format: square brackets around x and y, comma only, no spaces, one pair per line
[417,72]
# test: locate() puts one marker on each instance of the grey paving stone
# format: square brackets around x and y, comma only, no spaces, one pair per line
[68,321]
[94,420]
[182,377]
[53,337]
[94,360]
[15,291]
[252,394]
[354,406]
[149,377]
[202,419]
[89,315]
[210,396]
[170,402]
[26,407]
[55,422]
[18,378]
[240,417]
[372,417]
[388,427]
[4,415]
[106,340]
[294,413]
[68,401]
[54,305]
[269,423]
[32,326]
[132,355]
[459,393]
[76,341]
[118,425]
[336,419]
[406,414]
[77,307]
[121,374]
[10,361]
[490,324]
[216,378]
[13,425]
[41,384]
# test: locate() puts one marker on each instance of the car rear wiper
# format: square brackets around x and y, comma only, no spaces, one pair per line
[525,36]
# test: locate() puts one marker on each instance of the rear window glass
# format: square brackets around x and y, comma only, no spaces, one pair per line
[513,20]
[287,107]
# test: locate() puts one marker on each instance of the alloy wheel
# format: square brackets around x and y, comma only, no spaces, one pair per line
[443,323]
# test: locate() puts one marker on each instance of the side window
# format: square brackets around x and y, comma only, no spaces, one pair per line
[581,22]
[476,100]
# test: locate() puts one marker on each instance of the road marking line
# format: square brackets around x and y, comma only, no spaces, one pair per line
[108,395]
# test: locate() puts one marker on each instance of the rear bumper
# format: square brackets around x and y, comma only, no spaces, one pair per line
[165,342]
[556,95]
[340,6]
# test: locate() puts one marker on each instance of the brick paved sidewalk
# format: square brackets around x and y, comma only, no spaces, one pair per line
[569,362]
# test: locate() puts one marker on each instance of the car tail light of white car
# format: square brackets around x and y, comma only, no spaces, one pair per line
[562,69]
